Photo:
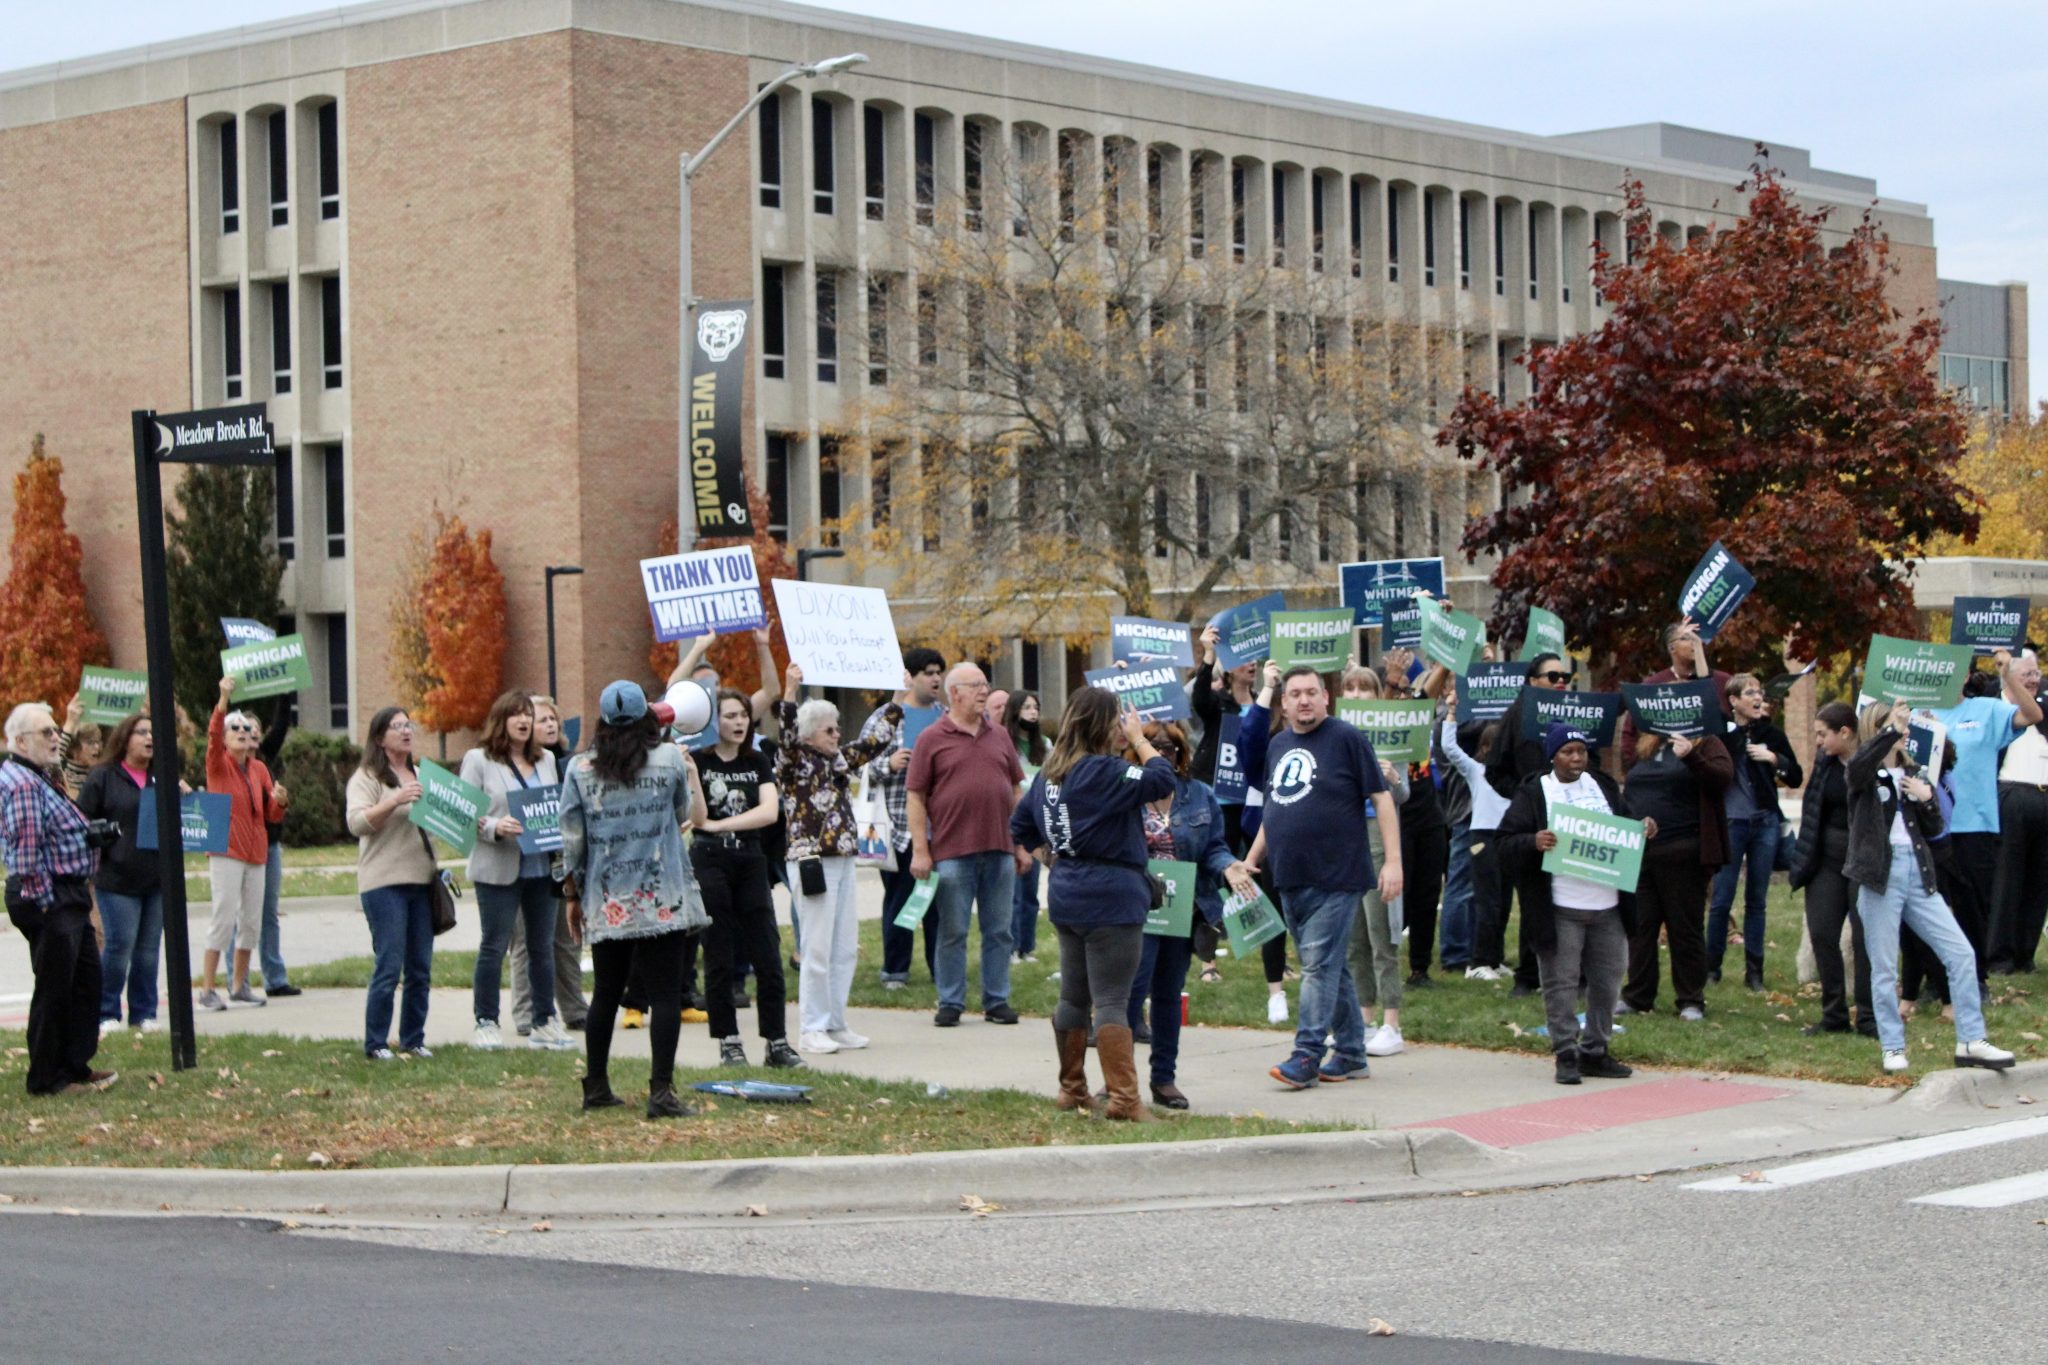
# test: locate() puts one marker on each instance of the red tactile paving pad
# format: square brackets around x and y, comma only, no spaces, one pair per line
[1611,1106]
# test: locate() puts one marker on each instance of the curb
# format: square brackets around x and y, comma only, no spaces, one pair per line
[1973,1088]
[1037,1178]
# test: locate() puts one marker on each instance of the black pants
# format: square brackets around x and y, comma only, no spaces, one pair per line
[1489,903]
[1830,899]
[735,886]
[1425,857]
[1672,896]
[900,945]
[658,961]
[64,1011]
[2019,899]
[1968,872]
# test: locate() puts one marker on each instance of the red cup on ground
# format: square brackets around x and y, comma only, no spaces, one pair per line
[1183,1007]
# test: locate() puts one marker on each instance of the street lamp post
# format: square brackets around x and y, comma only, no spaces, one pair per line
[553,572]
[690,165]
[805,556]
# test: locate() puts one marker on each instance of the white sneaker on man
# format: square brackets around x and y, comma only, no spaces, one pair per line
[846,1039]
[1385,1042]
[816,1042]
[1276,1007]
[487,1039]
[1481,974]
[1895,1062]
[108,1026]
[1982,1053]
[551,1036]
[151,1026]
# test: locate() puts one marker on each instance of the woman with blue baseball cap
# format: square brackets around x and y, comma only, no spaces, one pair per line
[630,891]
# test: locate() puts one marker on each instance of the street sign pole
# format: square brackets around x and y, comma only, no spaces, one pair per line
[163,708]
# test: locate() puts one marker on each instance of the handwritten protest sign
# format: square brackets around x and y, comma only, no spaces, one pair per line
[840,635]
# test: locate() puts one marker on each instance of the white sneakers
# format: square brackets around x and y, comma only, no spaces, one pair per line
[1981,1053]
[550,1036]
[1385,1042]
[1482,974]
[1276,1007]
[487,1039]
[109,1026]
[1895,1062]
[1692,1014]
[818,1042]
[846,1040]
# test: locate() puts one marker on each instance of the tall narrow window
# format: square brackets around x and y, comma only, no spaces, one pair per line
[1241,368]
[1029,664]
[777,471]
[1500,248]
[1237,223]
[281,338]
[927,325]
[337,671]
[828,327]
[230,179]
[878,483]
[1464,243]
[821,156]
[330,160]
[878,329]
[330,331]
[1244,518]
[1400,522]
[334,499]
[1317,188]
[1202,520]
[1162,517]
[1394,234]
[1429,236]
[1198,361]
[1155,198]
[280,182]
[970,180]
[768,125]
[976,340]
[1112,192]
[1532,251]
[774,322]
[287,508]
[924,135]
[1326,549]
[1069,154]
[1198,206]
[1357,229]
[231,342]
[874,161]
[828,491]
[1279,216]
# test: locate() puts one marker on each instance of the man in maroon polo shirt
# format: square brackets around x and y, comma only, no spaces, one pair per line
[963,784]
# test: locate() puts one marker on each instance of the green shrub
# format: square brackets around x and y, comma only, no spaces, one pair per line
[316,768]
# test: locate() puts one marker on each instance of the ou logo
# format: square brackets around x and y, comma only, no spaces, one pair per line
[1293,777]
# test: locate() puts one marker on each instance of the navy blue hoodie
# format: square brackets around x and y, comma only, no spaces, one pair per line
[1094,823]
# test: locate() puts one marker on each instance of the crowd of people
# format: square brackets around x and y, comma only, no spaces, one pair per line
[671,848]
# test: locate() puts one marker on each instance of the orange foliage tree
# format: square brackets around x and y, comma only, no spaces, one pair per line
[733,655]
[47,632]
[462,606]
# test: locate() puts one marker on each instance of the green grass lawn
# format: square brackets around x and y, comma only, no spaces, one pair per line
[1757,1034]
[312,855]
[265,1102]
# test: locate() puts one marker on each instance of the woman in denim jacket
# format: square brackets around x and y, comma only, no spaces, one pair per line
[1193,821]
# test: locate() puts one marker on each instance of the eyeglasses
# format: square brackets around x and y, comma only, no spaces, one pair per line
[46,732]
[1554,676]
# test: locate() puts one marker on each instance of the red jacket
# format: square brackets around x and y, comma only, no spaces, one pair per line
[249,792]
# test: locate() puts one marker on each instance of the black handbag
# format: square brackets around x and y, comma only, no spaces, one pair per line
[441,892]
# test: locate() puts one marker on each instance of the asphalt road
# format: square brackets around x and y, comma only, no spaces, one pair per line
[131,1289]
[1844,1268]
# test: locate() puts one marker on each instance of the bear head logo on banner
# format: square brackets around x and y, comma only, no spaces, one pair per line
[720,333]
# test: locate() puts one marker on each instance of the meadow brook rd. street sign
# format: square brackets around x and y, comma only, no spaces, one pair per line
[235,435]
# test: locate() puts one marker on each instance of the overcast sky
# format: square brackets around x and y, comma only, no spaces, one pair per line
[1933,102]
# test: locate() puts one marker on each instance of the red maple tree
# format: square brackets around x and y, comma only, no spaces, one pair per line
[1755,386]
[462,605]
[733,655]
[47,632]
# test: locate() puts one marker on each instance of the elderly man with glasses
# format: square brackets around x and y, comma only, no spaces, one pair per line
[233,770]
[50,863]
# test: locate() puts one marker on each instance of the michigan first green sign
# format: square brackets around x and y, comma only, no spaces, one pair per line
[1596,847]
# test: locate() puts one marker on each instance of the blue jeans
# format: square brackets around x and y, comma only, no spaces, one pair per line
[1320,922]
[135,934]
[402,941]
[1455,926]
[1162,976]
[1755,839]
[532,900]
[1905,901]
[1024,912]
[982,883]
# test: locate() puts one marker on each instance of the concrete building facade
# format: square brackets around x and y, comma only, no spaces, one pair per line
[1984,346]
[439,239]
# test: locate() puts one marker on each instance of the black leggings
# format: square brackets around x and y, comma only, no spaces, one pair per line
[1425,855]
[735,887]
[658,961]
[1097,966]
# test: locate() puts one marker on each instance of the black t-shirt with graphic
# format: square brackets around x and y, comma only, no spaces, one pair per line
[733,786]
[1317,788]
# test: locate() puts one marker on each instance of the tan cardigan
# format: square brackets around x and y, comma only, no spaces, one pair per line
[395,855]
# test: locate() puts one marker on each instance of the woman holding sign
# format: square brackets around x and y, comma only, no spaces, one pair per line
[512,885]
[394,878]
[1086,807]
[233,770]
[1892,815]
[127,883]
[1580,928]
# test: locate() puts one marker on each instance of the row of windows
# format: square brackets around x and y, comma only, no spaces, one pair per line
[1983,382]
[330,466]
[275,317]
[329,635]
[272,156]
[1375,210]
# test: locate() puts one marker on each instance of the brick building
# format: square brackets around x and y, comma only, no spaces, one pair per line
[439,239]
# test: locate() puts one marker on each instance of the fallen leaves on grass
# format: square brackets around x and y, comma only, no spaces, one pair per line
[757,1210]
[544,1225]
[1752,1177]
[318,1159]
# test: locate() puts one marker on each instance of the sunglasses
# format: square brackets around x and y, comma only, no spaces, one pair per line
[1554,676]
[241,729]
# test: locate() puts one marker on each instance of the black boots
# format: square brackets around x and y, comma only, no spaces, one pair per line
[1602,1066]
[663,1104]
[1568,1066]
[597,1094]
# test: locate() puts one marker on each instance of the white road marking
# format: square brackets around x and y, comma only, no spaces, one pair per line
[1993,1194]
[1879,1156]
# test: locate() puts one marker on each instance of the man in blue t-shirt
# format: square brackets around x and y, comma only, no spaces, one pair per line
[1319,776]
[1992,713]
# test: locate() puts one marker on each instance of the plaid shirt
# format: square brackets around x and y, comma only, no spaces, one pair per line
[895,797]
[41,831]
